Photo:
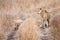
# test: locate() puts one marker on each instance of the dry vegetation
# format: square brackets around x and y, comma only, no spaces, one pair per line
[29,19]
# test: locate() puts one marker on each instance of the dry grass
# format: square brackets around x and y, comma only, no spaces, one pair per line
[12,12]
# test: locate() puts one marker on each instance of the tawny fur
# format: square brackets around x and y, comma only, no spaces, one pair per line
[29,29]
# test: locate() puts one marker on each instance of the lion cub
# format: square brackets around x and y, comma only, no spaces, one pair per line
[34,28]
[45,27]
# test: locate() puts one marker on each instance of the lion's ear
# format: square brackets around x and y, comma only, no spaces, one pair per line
[42,12]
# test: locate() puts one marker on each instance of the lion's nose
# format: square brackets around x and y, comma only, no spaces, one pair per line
[44,25]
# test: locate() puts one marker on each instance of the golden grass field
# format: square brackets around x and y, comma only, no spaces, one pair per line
[29,19]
